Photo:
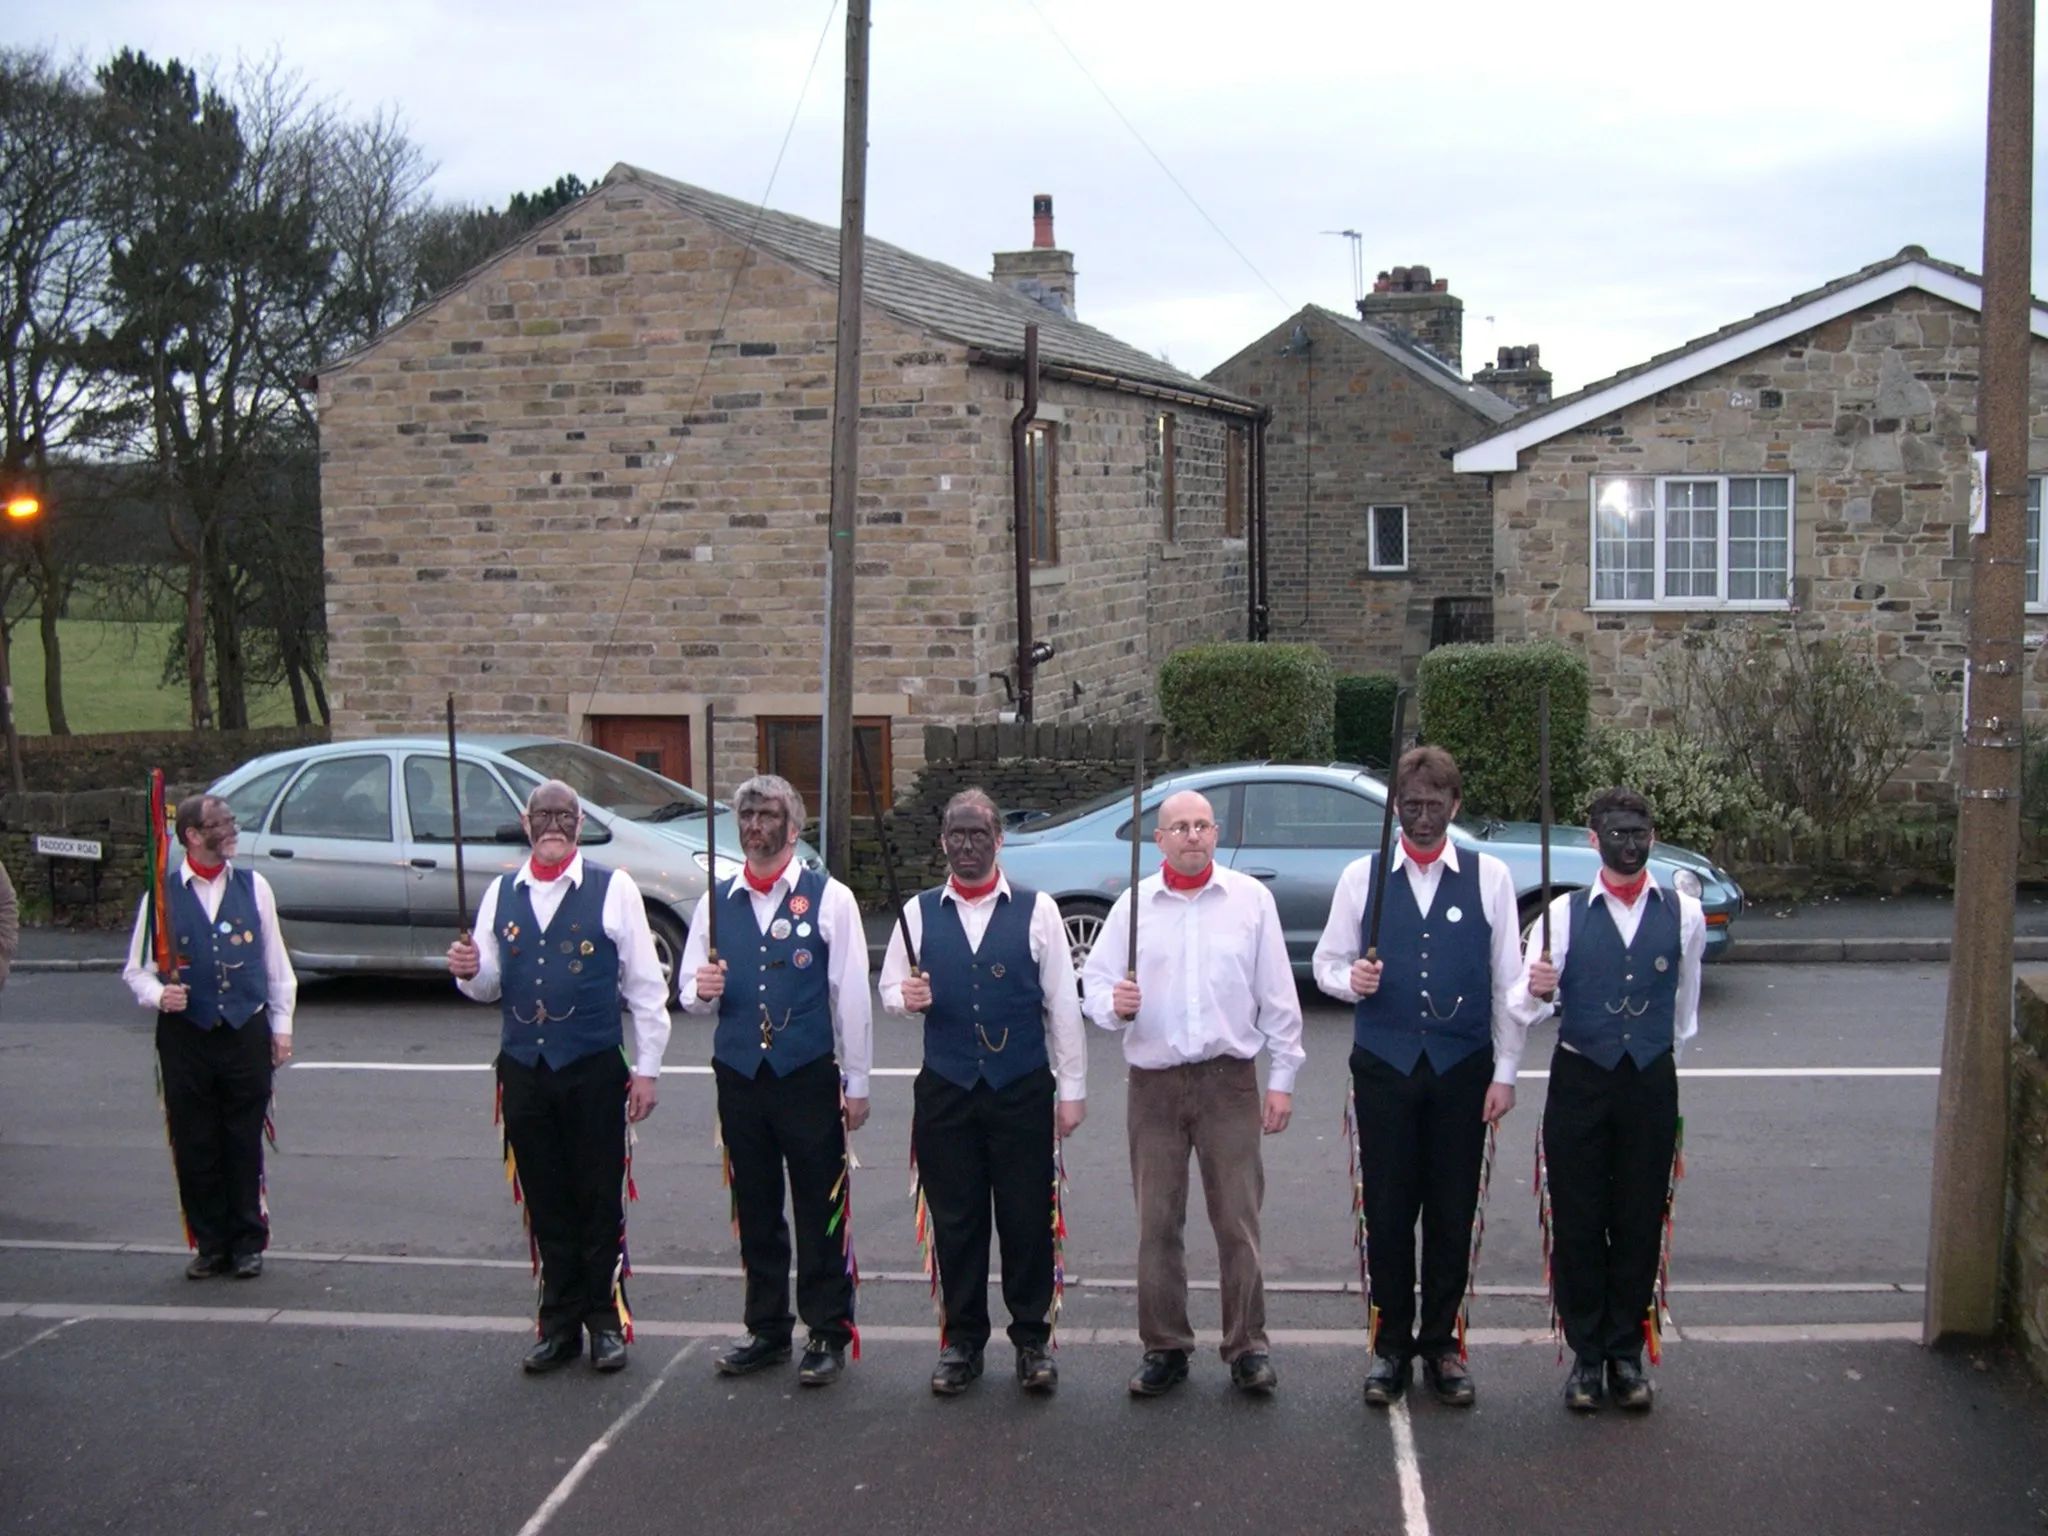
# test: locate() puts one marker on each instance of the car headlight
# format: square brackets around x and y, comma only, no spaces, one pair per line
[729,866]
[1686,883]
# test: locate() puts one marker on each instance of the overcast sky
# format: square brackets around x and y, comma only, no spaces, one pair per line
[1605,179]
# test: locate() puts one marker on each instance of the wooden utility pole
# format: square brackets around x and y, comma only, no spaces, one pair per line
[1970,1120]
[835,776]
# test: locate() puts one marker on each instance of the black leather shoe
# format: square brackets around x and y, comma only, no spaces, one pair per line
[1582,1389]
[1254,1374]
[1450,1381]
[1628,1386]
[1036,1370]
[823,1362]
[1160,1372]
[756,1352]
[958,1367]
[248,1266]
[552,1353]
[205,1266]
[1386,1381]
[608,1351]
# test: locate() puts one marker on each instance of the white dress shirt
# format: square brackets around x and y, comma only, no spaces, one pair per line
[1212,974]
[1692,945]
[1338,947]
[282,980]
[641,988]
[1066,1039]
[846,971]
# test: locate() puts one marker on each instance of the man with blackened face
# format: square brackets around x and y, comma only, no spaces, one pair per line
[1005,1071]
[1624,971]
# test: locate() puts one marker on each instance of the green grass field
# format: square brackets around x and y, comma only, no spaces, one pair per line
[112,673]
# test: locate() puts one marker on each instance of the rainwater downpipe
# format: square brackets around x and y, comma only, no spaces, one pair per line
[1020,477]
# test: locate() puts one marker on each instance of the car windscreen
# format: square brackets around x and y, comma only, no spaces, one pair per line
[610,783]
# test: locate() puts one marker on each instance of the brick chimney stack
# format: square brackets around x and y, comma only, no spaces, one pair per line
[1412,304]
[1044,274]
[1518,377]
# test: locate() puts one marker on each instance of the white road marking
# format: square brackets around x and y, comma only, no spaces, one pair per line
[485,1066]
[32,1343]
[552,1504]
[1414,1512]
[1340,1287]
[1704,1072]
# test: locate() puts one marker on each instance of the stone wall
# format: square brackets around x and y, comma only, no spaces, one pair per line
[565,489]
[2026,1296]
[1353,429]
[1872,416]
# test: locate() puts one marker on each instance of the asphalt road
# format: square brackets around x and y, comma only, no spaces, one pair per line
[369,1381]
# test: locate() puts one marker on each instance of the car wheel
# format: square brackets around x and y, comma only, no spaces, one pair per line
[1083,921]
[669,935]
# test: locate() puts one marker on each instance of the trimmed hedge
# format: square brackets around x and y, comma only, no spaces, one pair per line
[1365,718]
[1479,703]
[1245,699]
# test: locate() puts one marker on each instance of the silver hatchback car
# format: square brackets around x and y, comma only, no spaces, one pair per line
[357,840]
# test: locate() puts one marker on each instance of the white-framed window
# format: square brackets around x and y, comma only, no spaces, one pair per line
[2035,604]
[1387,538]
[1692,541]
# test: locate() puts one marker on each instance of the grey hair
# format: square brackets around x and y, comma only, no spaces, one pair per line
[547,784]
[974,799]
[772,787]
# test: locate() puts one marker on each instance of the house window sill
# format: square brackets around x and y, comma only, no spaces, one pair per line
[1169,550]
[1048,576]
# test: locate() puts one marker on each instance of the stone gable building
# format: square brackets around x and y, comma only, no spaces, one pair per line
[586,491]
[1375,549]
[1811,463]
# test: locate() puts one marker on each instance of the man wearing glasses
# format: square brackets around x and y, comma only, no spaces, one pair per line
[1434,1053]
[559,944]
[790,1055]
[1213,986]
[223,1028]
[1002,1042]
[1624,968]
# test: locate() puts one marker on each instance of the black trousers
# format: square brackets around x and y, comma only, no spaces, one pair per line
[1608,1138]
[981,1149]
[1421,1143]
[772,1124]
[568,1134]
[216,1091]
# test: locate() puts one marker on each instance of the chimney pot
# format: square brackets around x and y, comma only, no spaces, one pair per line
[1041,222]
[1044,274]
[1414,303]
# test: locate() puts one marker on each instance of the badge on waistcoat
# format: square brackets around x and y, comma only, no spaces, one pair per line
[1454,914]
[803,930]
[509,932]
[227,928]
[801,959]
[996,970]
[779,929]
[799,905]
[1663,963]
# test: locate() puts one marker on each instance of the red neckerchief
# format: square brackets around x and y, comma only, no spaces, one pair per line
[543,873]
[1628,892]
[763,886]
[1417,857]
[1176,881]
[204,871]
[975,892]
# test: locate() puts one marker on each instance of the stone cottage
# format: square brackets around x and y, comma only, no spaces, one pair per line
[1376,548]
[1813,460]
[586,491]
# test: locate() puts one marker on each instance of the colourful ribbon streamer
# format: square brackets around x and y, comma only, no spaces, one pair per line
[1478,1236]
[1359,1235]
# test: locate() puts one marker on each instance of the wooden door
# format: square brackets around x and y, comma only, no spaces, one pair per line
[657,742]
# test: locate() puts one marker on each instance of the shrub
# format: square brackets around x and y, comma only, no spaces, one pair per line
[1809,718]
[1249,700]
[1479,703]
[1365,718]
[1693,795]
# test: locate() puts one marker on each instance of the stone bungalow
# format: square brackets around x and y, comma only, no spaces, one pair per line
[1377,549]
[1813,459]
[586,489]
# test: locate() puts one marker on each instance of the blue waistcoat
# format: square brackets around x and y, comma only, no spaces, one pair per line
[987,1018]
[1436,993]
[561,984]
[1617,999]
[780,975]
[221,960]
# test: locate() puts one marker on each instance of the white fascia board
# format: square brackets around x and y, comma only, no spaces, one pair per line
[1501,453]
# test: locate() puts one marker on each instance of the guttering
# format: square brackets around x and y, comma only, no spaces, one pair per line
[1020,493]
[1122,383]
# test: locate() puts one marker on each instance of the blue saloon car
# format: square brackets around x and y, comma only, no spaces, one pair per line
[1296,827]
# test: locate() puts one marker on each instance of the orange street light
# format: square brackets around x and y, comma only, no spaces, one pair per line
[21,508]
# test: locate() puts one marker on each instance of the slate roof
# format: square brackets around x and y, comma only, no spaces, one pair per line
[925,293]
[1424,364]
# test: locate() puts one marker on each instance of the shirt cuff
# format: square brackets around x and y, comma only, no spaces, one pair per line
[1073,1089]
[1280,1077]
[856,1085]
[1506,1068]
